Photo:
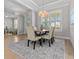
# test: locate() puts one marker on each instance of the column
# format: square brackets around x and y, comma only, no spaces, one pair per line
[33,18]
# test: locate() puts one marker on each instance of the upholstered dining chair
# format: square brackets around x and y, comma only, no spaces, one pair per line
[31,36]
[53,34]
[50,36]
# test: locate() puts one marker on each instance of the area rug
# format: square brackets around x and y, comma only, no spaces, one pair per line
[56,51]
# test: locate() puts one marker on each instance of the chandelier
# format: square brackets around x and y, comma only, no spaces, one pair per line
[43,13]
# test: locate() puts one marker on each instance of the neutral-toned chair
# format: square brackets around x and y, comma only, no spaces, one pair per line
[34,27]
[31,36]
[50,36]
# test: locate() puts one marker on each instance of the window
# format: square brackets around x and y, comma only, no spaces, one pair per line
[54,20]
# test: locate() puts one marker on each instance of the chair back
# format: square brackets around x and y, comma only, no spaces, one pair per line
[51,31]
[34,27]
[30,33]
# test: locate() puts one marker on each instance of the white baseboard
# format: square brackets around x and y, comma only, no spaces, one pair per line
[62,37]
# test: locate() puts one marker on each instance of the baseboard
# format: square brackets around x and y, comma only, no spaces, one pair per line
[62,37]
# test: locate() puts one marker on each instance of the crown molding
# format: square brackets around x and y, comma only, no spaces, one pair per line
[55,5]
[29,4]
[52,3]
[34,3]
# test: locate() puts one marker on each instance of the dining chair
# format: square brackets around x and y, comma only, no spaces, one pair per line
[34,27]
[53,35]
[31,36]
[50,36]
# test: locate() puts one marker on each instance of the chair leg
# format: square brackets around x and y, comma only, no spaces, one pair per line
[40,42]
[34,44]
[44,40]
[49,44]
[52,40]
[28,43]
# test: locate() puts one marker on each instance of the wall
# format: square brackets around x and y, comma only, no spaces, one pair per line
[20,29]
[8,19]
[27,21]
[8,23]
[65,22]
[72,34]
[72,25]
[24,20]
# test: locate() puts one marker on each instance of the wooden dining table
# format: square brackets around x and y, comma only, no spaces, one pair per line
[41,33]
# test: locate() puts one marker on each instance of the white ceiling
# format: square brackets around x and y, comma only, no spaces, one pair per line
[13,6]
[26,5]
[39,4]
[43,2]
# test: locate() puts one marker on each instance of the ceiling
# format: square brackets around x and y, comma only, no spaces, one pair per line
[36,5]
[43,2]
[10,5]
[39,4]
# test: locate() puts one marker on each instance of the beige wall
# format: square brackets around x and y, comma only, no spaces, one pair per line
[72,25]
[65,22]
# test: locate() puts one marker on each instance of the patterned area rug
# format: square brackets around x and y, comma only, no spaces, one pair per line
[56,51]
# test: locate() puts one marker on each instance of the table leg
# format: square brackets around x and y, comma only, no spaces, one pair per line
[28,43]
[49,43]
[34,44]
[43,40]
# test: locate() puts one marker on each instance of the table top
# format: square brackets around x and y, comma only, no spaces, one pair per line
[41,32]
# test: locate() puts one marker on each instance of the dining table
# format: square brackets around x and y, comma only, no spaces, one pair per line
[41,33]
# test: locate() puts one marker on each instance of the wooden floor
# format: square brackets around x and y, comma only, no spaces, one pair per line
[69,52]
